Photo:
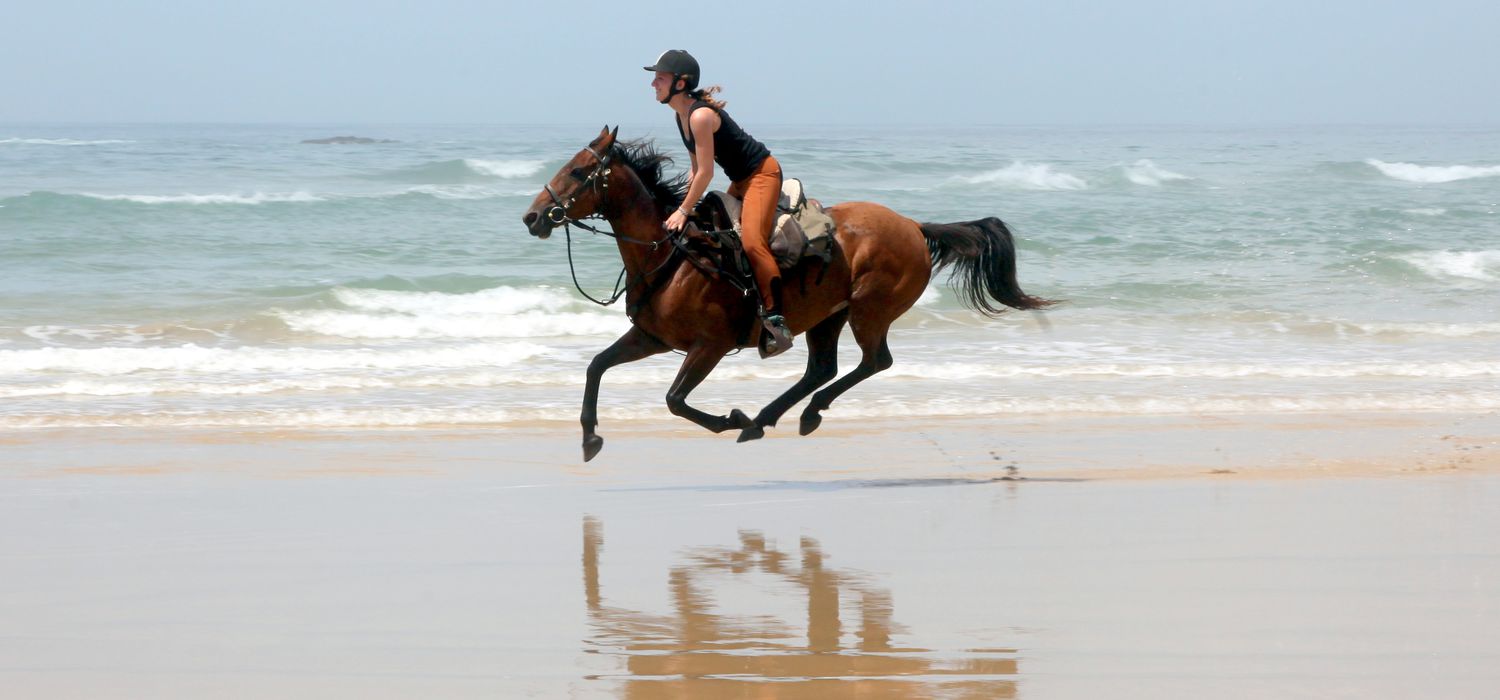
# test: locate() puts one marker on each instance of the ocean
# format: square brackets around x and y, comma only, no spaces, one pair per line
[223,276]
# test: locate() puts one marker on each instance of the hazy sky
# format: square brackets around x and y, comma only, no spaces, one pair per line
[579,61]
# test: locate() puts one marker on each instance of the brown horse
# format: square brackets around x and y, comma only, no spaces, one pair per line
[881,264]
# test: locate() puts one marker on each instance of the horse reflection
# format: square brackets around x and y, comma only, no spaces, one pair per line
[700,651]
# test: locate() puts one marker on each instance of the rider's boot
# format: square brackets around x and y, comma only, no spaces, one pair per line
[777,338]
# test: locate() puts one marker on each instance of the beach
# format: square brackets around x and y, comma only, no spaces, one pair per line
[1059,557]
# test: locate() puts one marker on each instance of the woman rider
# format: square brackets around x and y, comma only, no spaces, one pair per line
[711,136]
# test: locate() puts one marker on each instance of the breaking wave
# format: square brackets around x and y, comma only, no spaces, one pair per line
[1144,172]
[1478,265]
[462,171]
[502,312]
[1029,176]
[1432,174]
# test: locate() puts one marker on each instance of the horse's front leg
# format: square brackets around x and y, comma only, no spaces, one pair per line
[701,360]
[634,345]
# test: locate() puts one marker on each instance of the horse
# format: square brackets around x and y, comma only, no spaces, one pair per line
[881,264]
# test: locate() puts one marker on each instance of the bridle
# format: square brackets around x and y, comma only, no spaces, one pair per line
[598,180]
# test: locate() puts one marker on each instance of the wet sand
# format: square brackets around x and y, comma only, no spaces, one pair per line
[1300,556]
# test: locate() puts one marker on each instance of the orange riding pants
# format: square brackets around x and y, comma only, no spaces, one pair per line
[760,192]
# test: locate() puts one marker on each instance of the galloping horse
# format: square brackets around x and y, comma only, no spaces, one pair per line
[881,264]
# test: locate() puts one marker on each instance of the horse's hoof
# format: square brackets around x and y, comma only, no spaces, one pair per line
[738,419]
[810,422]
[754,432]
[591,446]
[748,429]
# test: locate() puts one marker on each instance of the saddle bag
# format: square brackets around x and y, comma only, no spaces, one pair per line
[803,228]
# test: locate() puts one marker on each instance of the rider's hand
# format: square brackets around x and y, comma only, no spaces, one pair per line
[676,221]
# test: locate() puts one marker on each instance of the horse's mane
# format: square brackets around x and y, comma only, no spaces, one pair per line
[642,156]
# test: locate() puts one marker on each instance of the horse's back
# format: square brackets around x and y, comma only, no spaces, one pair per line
[861,224]
[886,252]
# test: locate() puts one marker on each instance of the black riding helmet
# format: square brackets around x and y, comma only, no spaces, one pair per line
[682,66]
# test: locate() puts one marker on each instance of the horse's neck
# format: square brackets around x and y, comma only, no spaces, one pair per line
[637,219]
[637,222]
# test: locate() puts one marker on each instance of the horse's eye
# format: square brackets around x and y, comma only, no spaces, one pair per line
[577,173]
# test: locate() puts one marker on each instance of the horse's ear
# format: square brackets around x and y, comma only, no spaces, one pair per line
[614,135]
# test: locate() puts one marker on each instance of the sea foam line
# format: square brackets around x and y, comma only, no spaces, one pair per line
[452,192]
[184,360]
[62,142]
[496,300]
[502,312]
[256,198]
[954,407]
[208,371]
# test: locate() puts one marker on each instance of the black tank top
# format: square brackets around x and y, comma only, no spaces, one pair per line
[738,153]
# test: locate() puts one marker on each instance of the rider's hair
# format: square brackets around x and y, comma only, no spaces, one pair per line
[707,95]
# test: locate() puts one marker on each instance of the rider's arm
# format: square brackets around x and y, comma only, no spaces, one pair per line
[704,122]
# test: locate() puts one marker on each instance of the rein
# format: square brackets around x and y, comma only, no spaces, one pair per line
[558,215]
[619,290]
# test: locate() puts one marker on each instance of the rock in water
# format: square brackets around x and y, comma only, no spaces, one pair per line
[348,139]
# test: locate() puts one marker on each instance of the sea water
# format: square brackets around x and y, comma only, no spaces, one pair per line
[235,276]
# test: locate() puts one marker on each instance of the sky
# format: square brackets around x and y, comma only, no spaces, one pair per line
[1045,62]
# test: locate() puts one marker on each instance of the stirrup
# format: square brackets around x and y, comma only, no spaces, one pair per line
[777,338]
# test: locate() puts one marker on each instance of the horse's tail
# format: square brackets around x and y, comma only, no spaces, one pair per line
[985,258]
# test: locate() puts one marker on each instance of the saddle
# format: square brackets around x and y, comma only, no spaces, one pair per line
[803,230]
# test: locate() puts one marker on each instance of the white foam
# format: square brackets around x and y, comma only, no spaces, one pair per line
[530,324]
[431,416]
[65,333]
[1482,265]
[1345,328]
[1195,371]
[186,360]
[256,198]
[1145,172]
[1432,211]
[497,300]
[313,418]
[1029,176]
[504,168]
[62,142]
[502,312]
[454,192]
[1443,330]
[1432,174]
[1158,405]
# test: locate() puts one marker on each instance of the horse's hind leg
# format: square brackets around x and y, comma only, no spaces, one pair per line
[877,357]
[695,368]
[632,346]
[822,365]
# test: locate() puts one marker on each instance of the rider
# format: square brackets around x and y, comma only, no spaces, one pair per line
[711,136]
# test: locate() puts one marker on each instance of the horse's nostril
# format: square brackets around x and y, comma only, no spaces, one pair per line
[529,219]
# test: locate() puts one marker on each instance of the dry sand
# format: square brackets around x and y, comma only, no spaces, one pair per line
[1301,556]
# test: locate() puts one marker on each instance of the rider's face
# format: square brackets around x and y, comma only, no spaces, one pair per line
[662,84]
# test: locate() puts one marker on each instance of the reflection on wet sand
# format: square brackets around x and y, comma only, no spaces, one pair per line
[700,651]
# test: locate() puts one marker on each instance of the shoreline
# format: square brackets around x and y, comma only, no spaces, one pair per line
[1004,448]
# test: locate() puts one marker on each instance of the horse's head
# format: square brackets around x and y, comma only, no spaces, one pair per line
[576,190]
